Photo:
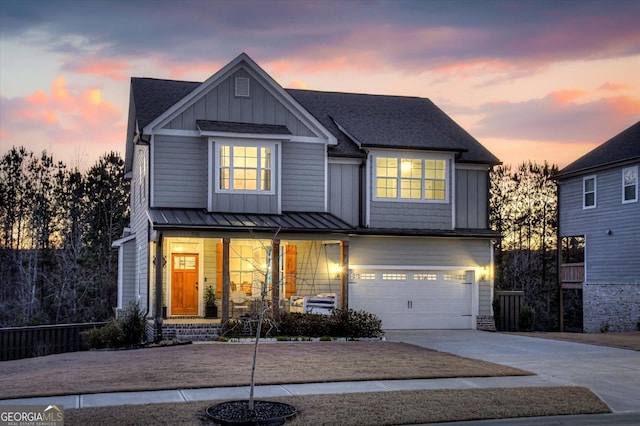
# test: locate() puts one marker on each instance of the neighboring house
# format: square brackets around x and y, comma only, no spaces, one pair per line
[380,200]
[599,230]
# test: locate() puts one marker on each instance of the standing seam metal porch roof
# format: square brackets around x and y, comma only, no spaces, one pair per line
[289,221]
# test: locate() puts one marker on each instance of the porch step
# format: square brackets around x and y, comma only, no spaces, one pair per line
[191,332]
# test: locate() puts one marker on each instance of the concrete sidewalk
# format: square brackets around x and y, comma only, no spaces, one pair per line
[266,391]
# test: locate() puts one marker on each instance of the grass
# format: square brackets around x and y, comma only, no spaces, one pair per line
[627,340]
[375,408]
[227,364]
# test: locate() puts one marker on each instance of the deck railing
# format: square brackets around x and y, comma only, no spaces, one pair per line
[572,273]
[28,342]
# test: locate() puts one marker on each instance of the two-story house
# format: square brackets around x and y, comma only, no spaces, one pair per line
[380,200]
[599,231]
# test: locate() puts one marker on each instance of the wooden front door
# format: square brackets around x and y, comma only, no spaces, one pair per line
[184,284]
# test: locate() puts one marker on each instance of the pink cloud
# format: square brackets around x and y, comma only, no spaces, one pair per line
[65,120]
[117,70]
[565,116]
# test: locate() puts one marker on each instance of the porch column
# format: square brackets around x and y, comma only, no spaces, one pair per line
[226,281]
[275,278]
[157,335]
[344,276]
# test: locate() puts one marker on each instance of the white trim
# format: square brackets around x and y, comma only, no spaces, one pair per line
[367,190]
[120,241]
[306,139]
[278,171]
[595,192]
[416,155]
[344,160]
[176,132]
[452,167]
[326,180]
[120,274]
[634,200]
[475,296]
[414,267]
[245,62]
[199,243]
[152,171]
[468,166]
[273,145]
[210,174]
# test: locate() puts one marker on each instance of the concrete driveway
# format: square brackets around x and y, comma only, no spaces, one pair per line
[612,374]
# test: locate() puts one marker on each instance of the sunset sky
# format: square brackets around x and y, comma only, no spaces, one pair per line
[531,80]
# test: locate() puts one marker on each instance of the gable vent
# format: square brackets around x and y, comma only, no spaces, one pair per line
[242,87]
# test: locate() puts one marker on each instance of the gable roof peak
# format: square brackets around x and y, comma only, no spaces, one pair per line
[623,147]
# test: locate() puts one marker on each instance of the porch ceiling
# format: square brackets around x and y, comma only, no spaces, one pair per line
[290,221]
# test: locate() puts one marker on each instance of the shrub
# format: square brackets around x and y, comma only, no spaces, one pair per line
[133,325]
[247,327]
[126,331]
[108,336]
[525,319]
[342,323]
[353,324]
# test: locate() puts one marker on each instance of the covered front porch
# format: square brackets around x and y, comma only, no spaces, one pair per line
[241,266]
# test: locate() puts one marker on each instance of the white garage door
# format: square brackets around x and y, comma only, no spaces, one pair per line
[414,299]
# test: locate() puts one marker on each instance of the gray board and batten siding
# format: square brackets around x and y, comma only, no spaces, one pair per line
[344,191]
[472,196]
[221,104]
[609,214]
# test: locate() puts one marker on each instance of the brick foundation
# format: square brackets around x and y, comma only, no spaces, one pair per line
[610,307]
[485,322]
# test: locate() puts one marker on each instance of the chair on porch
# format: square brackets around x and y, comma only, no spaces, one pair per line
[240,303]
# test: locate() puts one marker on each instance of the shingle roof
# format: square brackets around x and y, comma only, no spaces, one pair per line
[619,149]
[289,222]
[153,96]
[230,127]
[392,122]
[372,120]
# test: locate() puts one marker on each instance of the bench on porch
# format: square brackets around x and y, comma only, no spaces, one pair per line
[323,303]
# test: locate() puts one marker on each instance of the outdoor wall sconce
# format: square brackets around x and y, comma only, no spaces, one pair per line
[336,270]
[484,272]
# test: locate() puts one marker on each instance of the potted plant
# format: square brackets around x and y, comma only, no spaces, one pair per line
[210,307]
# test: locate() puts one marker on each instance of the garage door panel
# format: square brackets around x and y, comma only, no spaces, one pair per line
[414,299]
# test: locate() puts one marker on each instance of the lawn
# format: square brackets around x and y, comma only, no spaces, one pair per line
[228,364]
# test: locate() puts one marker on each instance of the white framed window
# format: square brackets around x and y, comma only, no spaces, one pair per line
[411,178]
[630,184]
[589,192]
[245,167]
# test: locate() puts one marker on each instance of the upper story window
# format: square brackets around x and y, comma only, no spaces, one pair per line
[589,192]
[245,168]
[419,179]
[630,184]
